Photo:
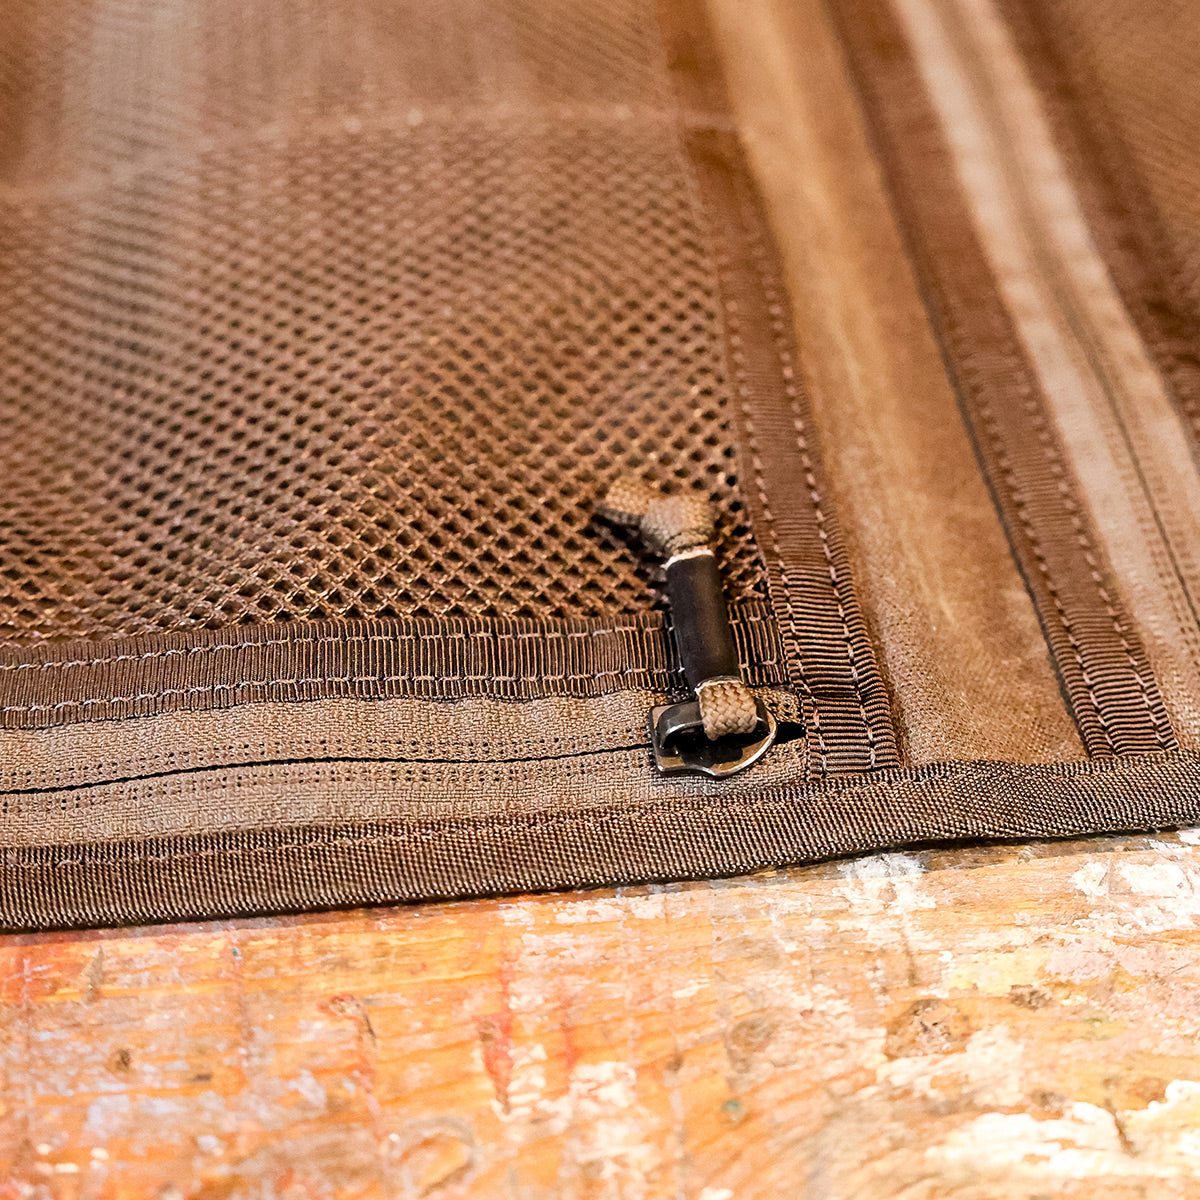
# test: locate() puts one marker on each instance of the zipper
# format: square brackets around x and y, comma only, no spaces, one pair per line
[723,728]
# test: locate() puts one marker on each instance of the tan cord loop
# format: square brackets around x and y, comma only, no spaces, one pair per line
[670,524]
[726,707]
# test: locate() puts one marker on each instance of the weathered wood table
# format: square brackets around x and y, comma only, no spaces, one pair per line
[1006,1022]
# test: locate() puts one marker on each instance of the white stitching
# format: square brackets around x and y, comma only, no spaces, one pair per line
[747,618]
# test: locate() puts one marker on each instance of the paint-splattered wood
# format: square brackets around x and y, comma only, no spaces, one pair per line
[996,1023]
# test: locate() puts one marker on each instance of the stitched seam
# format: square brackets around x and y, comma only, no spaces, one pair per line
[1010,479]
[472,746]
[645,812]
[749,618]
[954,338]
[62,775]
[1052,457]
[1089,555]
[737,362]
[1152,518]
[314,679]
[185,780]
[321,751]
[380,123]
[290,682]
[994,118]
[367,639]
[435,829]
[774,308]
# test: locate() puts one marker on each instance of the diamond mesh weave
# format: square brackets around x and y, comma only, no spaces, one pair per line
[285,339]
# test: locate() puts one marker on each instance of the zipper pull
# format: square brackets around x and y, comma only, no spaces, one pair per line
[724,729]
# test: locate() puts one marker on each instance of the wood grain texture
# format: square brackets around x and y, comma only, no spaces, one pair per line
[992,1023]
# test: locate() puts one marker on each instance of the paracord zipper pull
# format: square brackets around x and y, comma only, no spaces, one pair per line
[724,729]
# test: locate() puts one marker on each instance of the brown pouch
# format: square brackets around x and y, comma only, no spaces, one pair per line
[327,327]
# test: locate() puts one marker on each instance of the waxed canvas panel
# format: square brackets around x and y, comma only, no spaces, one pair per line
[1119,82]
[1139,72]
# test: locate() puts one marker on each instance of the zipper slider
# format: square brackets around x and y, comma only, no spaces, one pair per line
[724,729]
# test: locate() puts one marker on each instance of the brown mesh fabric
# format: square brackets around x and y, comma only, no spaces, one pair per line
[286,339]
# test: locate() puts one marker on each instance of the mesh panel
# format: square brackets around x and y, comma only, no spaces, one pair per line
[293,335]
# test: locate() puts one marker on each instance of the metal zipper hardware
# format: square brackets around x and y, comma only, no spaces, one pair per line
[724,729]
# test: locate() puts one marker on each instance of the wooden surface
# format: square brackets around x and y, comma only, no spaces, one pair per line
[1005,1022]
